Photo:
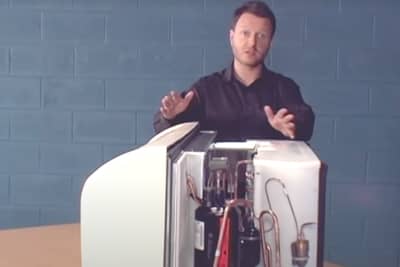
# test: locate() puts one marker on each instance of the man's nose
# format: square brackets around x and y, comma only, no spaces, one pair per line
[252,40]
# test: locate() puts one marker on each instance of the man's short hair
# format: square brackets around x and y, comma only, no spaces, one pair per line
[257,8]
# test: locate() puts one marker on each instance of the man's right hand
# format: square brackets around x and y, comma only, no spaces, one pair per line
[282,121]
[173,104]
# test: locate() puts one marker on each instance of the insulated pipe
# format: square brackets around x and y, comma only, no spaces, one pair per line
[229,205]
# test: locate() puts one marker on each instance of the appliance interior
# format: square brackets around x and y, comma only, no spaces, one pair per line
[276,187]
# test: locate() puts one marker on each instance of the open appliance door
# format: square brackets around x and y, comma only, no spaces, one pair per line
[124,207]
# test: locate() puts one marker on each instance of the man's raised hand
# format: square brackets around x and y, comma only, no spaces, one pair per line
[282,121]
[173,104]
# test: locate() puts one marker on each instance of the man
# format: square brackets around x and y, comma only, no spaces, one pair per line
[245,100]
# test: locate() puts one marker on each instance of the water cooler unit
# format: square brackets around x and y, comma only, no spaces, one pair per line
[185,200]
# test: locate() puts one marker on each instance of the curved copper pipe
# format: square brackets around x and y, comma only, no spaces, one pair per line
[192,189]
[229,205]
[265,246]
[285,192]
[302,228]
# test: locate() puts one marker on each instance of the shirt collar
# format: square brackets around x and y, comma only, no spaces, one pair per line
[229,73]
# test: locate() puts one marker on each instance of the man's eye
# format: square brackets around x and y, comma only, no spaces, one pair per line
[261,36]
[246,33]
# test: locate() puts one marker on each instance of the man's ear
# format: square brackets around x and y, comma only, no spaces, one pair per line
[231,33]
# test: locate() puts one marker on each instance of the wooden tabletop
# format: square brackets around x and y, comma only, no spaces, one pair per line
[46,246]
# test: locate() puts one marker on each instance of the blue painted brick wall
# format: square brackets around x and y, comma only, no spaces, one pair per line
[81,79]
[20,25]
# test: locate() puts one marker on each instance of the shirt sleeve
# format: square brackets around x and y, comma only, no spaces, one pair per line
[291,98]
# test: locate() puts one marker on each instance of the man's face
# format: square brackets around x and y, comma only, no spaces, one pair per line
[251,39]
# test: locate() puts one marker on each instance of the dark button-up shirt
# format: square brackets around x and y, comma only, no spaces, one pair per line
[236,111]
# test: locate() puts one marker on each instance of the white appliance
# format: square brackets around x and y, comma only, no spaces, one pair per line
[136,210]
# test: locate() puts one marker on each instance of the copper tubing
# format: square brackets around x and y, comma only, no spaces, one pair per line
[266,248]
[285,192]
[192,189]
[299,230]
[229,205]
[267,251]
[302,229]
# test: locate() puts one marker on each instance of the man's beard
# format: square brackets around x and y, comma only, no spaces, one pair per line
[258,60]
[252,64]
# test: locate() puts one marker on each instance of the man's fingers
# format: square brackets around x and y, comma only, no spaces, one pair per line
[167,113]
[281,113]
[166,102]
[171,100]
[291,126]
[164,112]
[173,94]
[188,97]
[175,97]
[290,130]
[173,104]
[281,121]
[167,107]
[288,118]
[269,112]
